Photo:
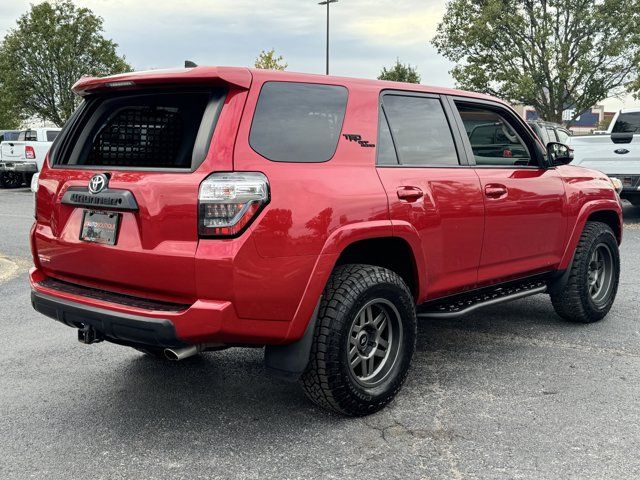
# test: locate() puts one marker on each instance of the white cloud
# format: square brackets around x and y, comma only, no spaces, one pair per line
[406,28]
[365,34]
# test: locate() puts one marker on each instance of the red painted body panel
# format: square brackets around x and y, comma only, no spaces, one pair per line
[525,229]
[263,286]
[448,220]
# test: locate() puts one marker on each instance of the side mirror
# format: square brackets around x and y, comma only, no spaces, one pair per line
[559,153]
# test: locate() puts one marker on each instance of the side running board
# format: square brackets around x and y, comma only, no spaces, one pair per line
[458,305]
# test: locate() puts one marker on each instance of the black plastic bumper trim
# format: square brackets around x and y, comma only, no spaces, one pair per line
[119,327]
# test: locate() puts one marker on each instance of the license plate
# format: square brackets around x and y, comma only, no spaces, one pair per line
[100,227]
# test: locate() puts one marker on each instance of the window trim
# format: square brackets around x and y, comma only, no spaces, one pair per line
[515,121]
[322,84]
[463,160]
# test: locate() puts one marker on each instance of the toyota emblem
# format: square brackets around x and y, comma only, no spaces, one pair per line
[98,183]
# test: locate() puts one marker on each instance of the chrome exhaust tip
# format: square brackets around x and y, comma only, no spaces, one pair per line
[175,354]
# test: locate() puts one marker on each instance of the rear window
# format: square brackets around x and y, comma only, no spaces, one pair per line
[159,130]
[298,122]
[28,136]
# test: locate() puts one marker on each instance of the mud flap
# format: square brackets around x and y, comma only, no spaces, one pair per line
[288,362]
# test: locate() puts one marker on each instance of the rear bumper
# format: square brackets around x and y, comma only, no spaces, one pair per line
[126,328]
[204,321]
[21,167]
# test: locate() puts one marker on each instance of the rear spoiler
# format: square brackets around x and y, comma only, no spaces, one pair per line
[234,76]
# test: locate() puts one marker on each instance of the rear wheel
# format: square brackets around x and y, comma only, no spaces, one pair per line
[593,280]
[363,341]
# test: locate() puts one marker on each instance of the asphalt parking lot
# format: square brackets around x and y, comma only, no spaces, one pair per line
[508,392]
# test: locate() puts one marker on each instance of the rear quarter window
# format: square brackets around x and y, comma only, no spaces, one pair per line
[298,122]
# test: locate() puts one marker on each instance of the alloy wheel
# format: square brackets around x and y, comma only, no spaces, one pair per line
[374,342]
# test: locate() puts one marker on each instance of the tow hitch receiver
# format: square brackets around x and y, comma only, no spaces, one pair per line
[89,335]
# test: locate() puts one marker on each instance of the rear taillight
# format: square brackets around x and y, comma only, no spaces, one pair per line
[29,153]
[228,202]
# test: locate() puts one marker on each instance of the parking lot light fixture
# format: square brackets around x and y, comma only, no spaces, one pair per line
[327,3]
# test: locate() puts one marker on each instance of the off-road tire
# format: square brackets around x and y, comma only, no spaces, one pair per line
[573,301]
[328,380]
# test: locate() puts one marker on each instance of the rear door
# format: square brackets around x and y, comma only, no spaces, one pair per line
[117,207]
[430,188]
[524,200]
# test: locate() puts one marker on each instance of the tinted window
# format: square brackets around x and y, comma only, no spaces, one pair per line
[627,123]
[505,147]
[298,122]
[51,135]
[386,151]
[420,130]
[141,130]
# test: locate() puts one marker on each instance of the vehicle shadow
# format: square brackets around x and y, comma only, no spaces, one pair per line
[231,392]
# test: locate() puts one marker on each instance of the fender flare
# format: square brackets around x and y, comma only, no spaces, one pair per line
[586,211]
[333,247]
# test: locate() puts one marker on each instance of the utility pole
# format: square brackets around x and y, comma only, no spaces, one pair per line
[327,3]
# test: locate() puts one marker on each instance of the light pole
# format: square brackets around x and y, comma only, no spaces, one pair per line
[327,3]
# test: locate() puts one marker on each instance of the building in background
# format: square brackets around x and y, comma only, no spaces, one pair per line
[586,123]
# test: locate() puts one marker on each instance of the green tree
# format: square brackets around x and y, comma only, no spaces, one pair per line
[52,46]
[268,61]
[400,73]
[10,115]
[551,54]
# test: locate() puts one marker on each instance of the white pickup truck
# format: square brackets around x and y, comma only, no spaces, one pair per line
[616,153]
[20,159]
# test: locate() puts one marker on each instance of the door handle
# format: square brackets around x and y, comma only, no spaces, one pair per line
[495,190]
[410,194]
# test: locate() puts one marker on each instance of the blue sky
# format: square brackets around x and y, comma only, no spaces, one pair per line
[365,34]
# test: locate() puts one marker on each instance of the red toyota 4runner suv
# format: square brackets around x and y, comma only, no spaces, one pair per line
[198,209]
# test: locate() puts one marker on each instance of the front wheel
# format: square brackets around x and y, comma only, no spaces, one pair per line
[593,280]
[363,341]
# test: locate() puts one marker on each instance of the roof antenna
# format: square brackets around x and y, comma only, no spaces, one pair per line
[190,64]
